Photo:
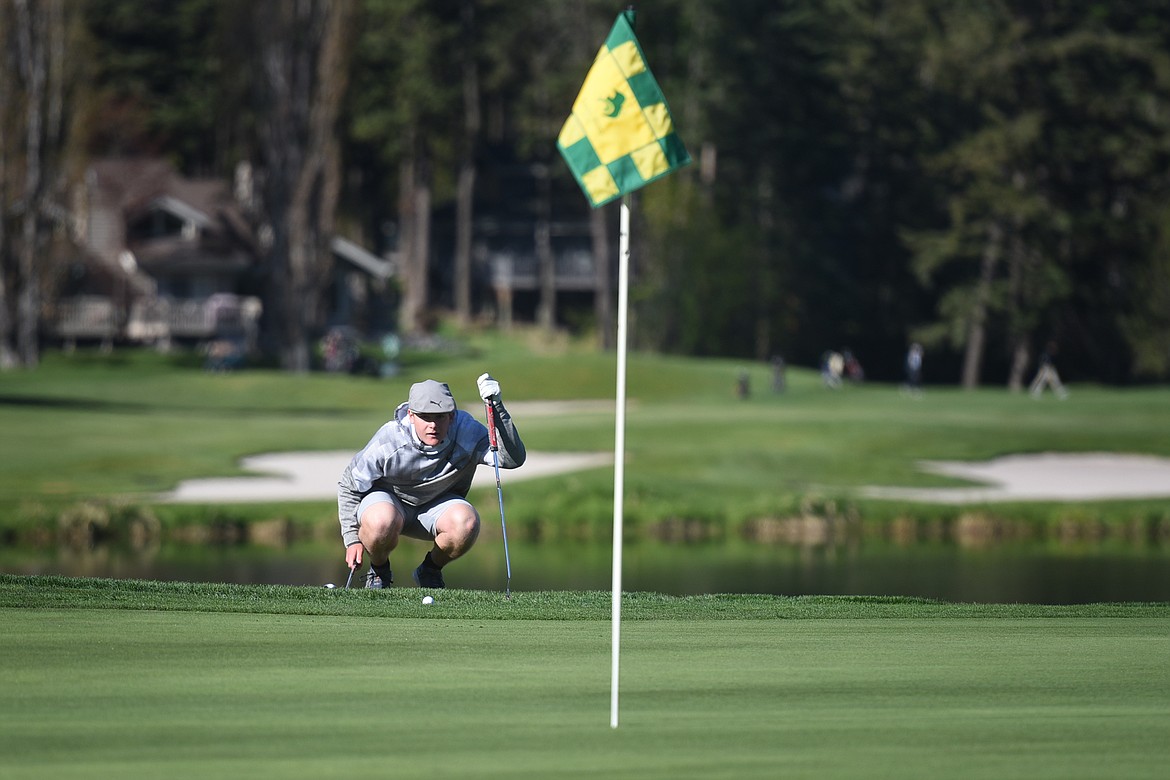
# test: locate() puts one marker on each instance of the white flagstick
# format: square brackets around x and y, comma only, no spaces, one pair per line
[619,453]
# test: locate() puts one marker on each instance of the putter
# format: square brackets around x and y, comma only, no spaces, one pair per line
[349,579]
[491,421]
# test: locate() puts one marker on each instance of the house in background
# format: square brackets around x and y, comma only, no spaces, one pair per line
[163,258]
[361,294]
[166,258]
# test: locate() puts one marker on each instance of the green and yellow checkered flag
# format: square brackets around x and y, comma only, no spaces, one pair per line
[620,135]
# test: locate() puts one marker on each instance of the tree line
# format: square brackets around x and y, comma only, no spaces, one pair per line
[984,178]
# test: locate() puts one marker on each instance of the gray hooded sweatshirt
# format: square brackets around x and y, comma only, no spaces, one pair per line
[396,461]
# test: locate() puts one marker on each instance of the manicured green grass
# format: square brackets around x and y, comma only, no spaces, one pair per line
[123,428]
[110,678]
[120,679]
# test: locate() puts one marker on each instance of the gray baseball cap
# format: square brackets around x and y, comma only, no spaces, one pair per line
[430,396]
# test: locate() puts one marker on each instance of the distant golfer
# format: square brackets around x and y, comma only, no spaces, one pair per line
[1046,375]
[914,369]
[412,479]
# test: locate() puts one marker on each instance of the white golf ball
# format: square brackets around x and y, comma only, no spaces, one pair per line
[428,600]
[330,585]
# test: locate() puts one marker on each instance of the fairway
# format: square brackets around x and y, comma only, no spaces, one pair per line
[102,693]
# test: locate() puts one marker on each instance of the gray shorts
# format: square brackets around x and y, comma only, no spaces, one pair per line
[420,520]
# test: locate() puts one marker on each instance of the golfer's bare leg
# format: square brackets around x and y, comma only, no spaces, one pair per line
[455,533]
[379,529]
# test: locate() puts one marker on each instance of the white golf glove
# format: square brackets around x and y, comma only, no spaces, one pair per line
[488,388]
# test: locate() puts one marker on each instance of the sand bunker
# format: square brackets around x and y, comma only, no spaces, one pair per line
[312,476]
[1042,477]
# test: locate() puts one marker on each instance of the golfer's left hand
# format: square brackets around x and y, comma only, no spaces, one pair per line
[488,388]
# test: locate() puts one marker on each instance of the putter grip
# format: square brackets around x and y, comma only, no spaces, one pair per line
[491,422]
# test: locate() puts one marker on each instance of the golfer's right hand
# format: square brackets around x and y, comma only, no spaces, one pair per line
[353,556]
[488,387]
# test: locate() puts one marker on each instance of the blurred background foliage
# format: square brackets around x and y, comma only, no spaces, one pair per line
[984,178]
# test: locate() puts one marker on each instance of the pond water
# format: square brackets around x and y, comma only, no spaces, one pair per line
[1035,572]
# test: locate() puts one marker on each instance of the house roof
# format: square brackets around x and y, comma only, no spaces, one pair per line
[183,211]
[128,183]
[134,187]
[363,259]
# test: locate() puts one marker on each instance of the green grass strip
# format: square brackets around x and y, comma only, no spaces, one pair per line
[51,592]
[146,692]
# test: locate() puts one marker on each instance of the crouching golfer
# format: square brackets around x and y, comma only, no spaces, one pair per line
[412,479]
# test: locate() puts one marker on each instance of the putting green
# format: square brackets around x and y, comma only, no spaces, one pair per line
[100,693]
